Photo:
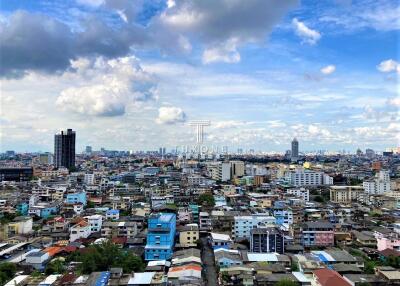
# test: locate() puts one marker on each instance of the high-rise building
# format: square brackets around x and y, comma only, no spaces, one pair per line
[237,169]
[64,149]
[88,150]
[295,149]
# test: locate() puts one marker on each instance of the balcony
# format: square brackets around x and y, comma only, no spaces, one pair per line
[159,229]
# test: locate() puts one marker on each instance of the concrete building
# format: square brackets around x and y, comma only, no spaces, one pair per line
[283,215]
[294,155]
[112,229]
[64,149]
[268,239]
[79,230]
[95,222]
[160,236]
[301,177]
[89,179]
[237,169]
[317,233]
[189,235]
[219,240]
[219,171]
[379,185]
[345,194]
[244,224]
[301,193]
[205,221]
[75,198]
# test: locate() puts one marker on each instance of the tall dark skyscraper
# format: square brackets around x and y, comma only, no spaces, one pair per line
[295,149]
[64,149]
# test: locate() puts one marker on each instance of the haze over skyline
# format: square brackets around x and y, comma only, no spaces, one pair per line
[130,75]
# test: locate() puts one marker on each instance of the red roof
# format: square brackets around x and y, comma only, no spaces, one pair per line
[70,248]
[389,252]
[119,240]
[327,277]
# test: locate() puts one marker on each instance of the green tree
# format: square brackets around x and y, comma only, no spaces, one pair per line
[286,282]
[319,199]
[369,267]
[206,199]
[55,267]
[7,272]
[102,257]
[295,267]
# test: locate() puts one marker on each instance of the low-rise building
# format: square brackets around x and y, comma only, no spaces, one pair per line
[189,235]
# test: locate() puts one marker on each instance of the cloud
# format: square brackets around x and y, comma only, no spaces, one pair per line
[33,41]
[389,66]
[394,102]
[328,69]
[380,15]
[226,52]
[99,100]
[110,86]
[222,26]
[308,35]
[170,115]
[37,42]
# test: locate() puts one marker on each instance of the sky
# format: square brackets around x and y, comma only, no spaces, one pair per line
[132,74]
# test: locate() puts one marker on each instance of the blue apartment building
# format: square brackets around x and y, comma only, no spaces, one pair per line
[283,215]
[160,236]
[75,198]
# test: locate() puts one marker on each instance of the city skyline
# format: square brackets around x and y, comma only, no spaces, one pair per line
[262,73]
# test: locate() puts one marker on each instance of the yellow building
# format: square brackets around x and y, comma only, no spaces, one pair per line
[20,225]
[189,235]
[345,194]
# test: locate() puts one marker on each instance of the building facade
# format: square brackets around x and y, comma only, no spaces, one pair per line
[269,239]
[244,224]
[160,236]
[64,149]
[318,233]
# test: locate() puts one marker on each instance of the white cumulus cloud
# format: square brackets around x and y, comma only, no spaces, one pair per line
[106,87]
[328,69]
[389,66]
[170,115]
[307,34]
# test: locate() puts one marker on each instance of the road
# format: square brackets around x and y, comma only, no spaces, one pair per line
[207,256]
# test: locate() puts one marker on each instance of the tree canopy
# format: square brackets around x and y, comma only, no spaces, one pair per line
[103,256]
[206,199]
[7,272]
[286,282]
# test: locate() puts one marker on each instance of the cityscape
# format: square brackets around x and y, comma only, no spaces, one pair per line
[199,143]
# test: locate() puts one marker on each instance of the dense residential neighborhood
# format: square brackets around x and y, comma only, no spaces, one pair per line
[158,218]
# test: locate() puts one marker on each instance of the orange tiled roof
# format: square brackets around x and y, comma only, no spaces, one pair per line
[188,267]
[52,250]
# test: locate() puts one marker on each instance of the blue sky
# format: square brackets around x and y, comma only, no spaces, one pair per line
[131,74]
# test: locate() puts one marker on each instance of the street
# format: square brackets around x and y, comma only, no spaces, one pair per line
[209,270]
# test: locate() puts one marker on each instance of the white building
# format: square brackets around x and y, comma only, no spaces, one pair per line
[302,177]
[205,221]
[302,193]
[219,171]
[379,185]
[89,179]
[244,224]
[95,222]
[80,230]
[196,180]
